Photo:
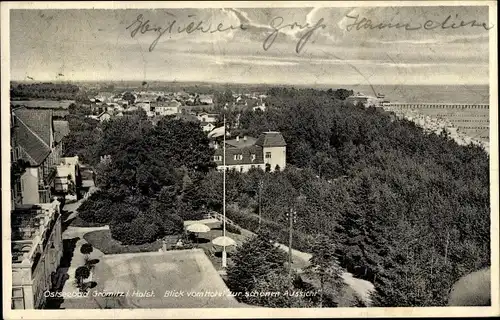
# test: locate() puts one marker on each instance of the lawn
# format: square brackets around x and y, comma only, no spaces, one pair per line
[102,240]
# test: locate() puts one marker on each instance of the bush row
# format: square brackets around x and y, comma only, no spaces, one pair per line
[249,221]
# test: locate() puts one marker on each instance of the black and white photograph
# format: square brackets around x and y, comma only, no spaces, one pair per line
[249,159]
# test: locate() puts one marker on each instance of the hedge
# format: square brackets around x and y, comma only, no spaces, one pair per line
[249,221]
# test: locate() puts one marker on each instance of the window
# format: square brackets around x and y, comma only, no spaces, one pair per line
[238,157]
[17,298]
[217,158]
[253,156]
[268,155]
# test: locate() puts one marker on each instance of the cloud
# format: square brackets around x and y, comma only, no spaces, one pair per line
[252,61]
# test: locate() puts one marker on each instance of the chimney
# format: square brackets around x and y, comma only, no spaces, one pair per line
[237,138]
[244,138]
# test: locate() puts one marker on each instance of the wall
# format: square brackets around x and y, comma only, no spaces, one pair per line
[278,157]
[246,167]
[166,111]
[33,285]
[30,186]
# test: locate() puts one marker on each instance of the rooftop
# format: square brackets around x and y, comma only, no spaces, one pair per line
[241,142]
[38,120]
[61,129]
[246,153]
[271,139]
[34,149]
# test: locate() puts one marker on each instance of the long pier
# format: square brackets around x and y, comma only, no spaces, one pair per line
[451,106]
[467,123]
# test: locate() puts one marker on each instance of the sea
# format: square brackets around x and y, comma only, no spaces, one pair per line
[469,94]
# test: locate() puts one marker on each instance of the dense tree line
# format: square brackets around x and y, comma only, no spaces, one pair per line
[54,91]
[83,139]
[409,210]
[148,181]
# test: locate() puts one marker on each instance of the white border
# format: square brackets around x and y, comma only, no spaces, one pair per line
[244,312]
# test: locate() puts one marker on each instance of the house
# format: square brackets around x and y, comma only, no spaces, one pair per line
[166,108]
[207,117]
[206,99]
[268,153]
[207,126]
[104,116]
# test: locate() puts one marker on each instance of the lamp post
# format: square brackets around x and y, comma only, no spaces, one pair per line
[292,217]
[224,254]
[260,203]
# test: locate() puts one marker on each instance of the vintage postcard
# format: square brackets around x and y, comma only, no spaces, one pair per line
[249,159]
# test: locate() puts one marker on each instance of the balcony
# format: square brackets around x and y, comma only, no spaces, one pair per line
[44,195]
[50,176]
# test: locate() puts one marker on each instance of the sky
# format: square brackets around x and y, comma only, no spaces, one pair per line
[87,44]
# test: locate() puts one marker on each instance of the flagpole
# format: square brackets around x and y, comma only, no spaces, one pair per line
[224,257]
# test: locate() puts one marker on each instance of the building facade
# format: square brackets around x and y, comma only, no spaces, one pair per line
[36,241]
[36,252]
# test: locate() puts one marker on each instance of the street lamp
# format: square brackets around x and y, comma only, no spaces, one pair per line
[292,218]
[260,203]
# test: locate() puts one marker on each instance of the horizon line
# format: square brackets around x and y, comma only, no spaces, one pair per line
[256,84]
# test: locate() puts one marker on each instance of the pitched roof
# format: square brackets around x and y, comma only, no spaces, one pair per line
[246,152]
[61,129]
[38,120]
[241,143]
[271,139]
[33,149]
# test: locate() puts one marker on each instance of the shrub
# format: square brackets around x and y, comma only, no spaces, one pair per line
[252,261]
[141,230]
[86,249]
[250,222]
[120,231]
[232,229]
[97,208]
[173,224]
[187,213]
[81,273]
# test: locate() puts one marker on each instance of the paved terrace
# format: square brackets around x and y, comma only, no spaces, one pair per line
[157,280]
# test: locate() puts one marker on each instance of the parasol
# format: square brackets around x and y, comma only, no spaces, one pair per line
[223,241]
[198,228]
